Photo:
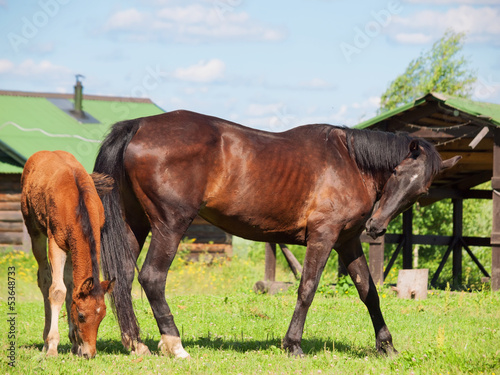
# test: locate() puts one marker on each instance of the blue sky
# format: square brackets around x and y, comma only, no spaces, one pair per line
[266,64]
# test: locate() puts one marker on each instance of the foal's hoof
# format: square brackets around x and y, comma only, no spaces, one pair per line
[141,349]
[52,352]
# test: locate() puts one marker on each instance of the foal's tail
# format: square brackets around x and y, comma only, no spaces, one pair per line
[116,254]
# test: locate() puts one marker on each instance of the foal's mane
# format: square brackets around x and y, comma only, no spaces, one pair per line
[83,216]
[377,151]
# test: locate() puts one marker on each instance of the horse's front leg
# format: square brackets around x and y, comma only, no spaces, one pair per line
[319,247]
[57,294]
[68,281]
[352,256]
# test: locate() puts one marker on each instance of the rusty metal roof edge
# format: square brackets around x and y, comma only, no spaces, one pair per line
[71,96]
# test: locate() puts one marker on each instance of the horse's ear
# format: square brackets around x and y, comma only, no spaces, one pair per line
[108,285]
[414,148]
[85,288]
[448,163]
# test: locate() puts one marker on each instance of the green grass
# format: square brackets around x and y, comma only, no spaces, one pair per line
[228,329]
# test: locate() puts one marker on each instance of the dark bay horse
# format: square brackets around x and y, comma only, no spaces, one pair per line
[315,185]
[60,203]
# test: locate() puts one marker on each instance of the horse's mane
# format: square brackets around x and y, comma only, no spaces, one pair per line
[83,215]
[377,151]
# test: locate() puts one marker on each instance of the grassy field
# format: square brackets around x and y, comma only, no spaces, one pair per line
[229,329]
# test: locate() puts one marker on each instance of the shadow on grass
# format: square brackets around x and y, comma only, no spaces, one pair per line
[309,346]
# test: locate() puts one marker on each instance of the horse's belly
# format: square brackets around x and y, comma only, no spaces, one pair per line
[263,228]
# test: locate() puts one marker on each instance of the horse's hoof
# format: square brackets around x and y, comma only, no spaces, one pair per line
[294,350]
[141,349]
[387,349]
[52,352]
[172,345]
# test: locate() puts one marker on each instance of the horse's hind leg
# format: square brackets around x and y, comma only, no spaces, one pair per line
[57,294]
[153,277]
[354,259]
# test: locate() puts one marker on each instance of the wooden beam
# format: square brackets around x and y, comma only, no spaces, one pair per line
[293,263]
[376,259]
[270,271]
[495,230]
[457,249]
[435,240]
[408,236]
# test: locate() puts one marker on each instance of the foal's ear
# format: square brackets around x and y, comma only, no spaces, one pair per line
[85,288]
[414,148]
[108,285]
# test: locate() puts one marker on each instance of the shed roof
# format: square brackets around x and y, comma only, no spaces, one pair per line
[456,126]
[30,122]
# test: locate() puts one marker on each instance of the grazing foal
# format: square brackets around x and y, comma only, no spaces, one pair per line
[60,203]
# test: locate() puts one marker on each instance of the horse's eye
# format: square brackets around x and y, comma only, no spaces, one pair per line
[81,317]
[395,172]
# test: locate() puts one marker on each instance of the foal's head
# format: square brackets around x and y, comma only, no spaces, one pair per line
[409,180]
[87,311]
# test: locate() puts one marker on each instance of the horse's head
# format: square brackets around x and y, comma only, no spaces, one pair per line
[87,311]
[409,181]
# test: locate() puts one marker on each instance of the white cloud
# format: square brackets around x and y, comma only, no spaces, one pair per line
[29,68]
[190,23]
[125,19]
[202,72]
[480,24]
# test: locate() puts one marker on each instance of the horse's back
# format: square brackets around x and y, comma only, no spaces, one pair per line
[52,182]
[241,179]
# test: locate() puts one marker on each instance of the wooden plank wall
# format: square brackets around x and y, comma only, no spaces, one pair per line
[12,230]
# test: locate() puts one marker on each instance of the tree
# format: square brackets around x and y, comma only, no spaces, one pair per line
[441,69]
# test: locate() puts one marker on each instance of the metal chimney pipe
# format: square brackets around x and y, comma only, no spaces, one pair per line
[79,96]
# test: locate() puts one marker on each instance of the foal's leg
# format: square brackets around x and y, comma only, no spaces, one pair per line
[153,277]
[57,294]
[318,250]
[39,247]
[354,259]
[68,281]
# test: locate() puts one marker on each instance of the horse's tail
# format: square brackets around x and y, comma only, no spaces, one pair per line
[86,221]
[116,254]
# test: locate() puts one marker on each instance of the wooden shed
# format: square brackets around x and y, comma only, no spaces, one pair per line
[77,123]
[456,126]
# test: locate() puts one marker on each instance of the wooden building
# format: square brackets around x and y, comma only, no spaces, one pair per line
[77,123]
[456,126]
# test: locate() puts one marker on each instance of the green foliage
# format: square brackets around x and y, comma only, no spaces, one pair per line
[441,69]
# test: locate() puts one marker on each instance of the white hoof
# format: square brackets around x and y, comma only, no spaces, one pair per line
[172,345]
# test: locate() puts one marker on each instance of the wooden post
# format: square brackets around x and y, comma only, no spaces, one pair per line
[408,236]
[495,230]
[458,205]
[376,259]
[270,272]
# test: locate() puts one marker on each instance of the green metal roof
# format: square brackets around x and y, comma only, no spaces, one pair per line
[31,122]
[486,111]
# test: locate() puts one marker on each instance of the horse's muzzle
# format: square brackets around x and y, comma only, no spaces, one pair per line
[373,229]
